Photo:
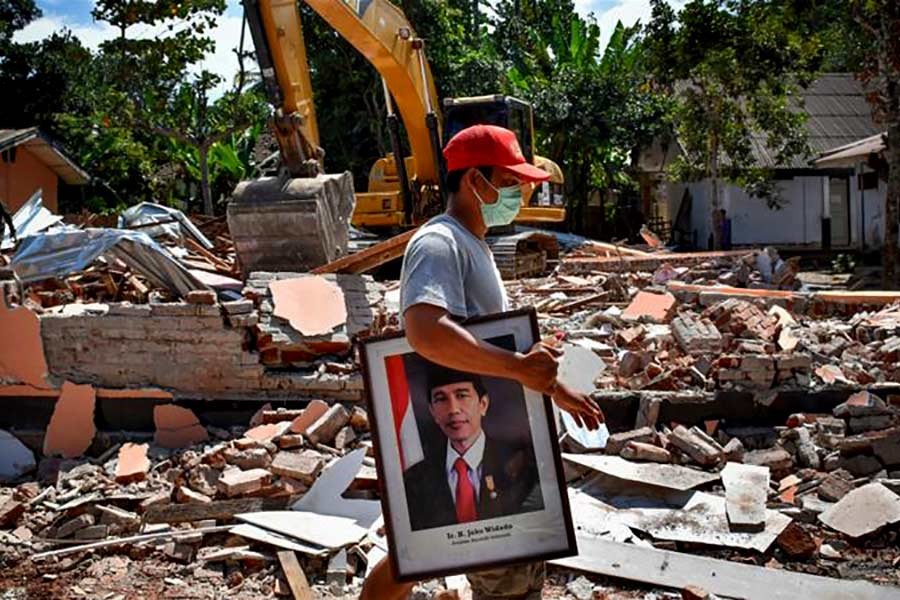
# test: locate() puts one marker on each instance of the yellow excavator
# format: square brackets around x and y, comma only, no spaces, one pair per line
[401,193]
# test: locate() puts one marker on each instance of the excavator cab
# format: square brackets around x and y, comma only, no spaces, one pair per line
[543,202]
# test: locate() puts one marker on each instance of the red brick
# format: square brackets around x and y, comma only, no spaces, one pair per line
[796,542]
[133,463]
[10,511]
[235,482]
[656,308]
[310,414]
[303,467]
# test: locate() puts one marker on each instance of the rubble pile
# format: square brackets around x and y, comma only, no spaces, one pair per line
[822,489]
[691,356]
[861,436]
[180,509]
[652,339]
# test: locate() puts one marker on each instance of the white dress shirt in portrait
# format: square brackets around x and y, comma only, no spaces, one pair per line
[472,457]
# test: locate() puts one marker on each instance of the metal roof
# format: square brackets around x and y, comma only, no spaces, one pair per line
[838,115]
[850,154]
[46,151]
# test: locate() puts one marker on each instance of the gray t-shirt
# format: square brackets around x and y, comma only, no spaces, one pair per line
[446,265]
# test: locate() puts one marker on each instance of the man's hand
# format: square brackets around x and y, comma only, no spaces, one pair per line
[537,369]
[582,407]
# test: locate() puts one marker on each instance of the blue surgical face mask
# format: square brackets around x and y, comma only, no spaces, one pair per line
[505,209]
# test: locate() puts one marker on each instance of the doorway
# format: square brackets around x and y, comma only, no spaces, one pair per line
[839,201]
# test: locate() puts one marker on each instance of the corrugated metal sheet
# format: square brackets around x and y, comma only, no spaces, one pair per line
[60,253]
[838,115]
[850,154]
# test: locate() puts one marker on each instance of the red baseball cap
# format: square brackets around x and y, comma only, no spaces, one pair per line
[490,146]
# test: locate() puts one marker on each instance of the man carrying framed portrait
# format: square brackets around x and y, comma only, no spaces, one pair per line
[449,275]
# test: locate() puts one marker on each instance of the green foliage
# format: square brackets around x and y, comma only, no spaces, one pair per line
[14,15]
[843,263]
[734,68]
[42,79]
[591,109]
[737,89]
[140,119]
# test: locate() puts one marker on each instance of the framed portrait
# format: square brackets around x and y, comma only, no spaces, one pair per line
[469,465]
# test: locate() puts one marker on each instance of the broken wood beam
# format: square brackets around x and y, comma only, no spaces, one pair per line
[721,577]
[579,303]
[582,264]
[133,539]
[612,249]
[221,510]
[371,257]
[295,576]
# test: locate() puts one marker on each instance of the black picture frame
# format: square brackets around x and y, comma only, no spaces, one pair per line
[368,350]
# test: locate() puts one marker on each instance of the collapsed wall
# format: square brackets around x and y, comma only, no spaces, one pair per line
[210,350]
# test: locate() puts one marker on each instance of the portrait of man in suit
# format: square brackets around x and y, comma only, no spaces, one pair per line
[468,475]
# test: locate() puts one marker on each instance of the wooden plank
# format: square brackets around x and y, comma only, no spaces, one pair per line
[580,302]
[133,539]
[371,257]
[631,263]
[295,576]
[221,510]
[721,577]
[220,265]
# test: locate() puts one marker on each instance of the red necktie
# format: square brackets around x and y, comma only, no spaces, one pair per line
[465,493]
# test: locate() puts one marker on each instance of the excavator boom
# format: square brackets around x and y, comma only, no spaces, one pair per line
[402,191]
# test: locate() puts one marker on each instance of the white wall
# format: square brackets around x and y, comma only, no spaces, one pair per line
[798,222]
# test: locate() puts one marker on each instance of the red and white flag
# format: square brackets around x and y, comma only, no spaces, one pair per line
[404,418]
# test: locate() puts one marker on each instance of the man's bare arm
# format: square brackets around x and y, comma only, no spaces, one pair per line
[434,334]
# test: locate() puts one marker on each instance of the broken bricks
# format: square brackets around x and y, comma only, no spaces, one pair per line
[132,464]
[695,446]
[235,482]
[302,466]
[326,427]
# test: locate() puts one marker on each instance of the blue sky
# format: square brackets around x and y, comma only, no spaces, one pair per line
[75,15]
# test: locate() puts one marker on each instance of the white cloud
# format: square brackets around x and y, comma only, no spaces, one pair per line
[222,61]
[628,12]
[90,34]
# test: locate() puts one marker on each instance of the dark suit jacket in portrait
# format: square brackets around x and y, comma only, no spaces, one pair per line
[516,486]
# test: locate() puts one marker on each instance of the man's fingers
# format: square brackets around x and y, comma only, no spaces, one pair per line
[577,418]
[554,350]
[592,406]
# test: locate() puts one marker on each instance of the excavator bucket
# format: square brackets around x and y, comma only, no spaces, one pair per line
[280,224]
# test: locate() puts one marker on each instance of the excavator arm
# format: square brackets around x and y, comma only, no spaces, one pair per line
[380,32]
[401,190]
[281,52]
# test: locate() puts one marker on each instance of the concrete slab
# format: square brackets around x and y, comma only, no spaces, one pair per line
[673,477]
[325,530]
[864,510]
[746,491]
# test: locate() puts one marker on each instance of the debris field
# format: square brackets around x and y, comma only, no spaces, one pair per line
[188,432]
